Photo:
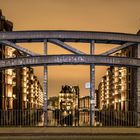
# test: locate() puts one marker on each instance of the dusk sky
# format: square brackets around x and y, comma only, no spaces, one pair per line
[84,15]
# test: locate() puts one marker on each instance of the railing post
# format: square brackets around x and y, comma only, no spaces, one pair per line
[45,86]
[92,86]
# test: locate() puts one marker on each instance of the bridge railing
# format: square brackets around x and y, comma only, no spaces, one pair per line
[73,118]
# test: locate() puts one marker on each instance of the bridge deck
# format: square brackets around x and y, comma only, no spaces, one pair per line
[68,131]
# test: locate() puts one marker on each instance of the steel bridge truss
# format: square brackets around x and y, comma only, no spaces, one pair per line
[60,38]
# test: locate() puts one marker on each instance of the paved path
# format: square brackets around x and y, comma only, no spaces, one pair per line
[41,131]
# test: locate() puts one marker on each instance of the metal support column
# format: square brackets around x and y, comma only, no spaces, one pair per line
[45,86]
[92,86]
[138,89]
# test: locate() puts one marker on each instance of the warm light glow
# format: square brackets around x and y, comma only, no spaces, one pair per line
[122,98]
[14,96]
[24,97]
[9,93]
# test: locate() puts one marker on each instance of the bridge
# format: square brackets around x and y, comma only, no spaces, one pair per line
[61,38]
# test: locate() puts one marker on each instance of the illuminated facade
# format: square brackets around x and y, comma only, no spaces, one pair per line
[69,105]
[84,108]
[6,77]
[53,111]
[35,91]
[53,103]
[19,87]
[116,89]
[84,111]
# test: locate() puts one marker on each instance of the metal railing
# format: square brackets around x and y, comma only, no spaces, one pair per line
[35,118]
[115,118]
[20,117]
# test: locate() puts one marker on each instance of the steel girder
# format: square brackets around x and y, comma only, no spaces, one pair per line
[117,48]
[65,46]
[71,36]
[125,45]
[69,60]
[15,46]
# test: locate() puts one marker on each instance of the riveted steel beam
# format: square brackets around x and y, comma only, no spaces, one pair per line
[65,46]
[69,60]
[92,86]
[45,85]
[70,36]
[15,46]
[117,48]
